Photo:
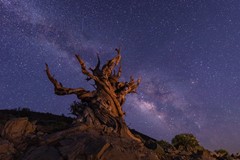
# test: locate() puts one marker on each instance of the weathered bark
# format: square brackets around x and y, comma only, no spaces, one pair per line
[106,101]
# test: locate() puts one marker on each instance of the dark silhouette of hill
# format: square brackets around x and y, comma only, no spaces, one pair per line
[6,114]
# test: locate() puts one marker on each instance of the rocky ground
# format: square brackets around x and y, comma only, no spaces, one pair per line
[27,135]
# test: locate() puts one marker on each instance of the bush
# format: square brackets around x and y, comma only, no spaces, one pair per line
[77,108]
[222,152]
[223,155]
[165,145]
[186,142]
[22,112]
[22,109]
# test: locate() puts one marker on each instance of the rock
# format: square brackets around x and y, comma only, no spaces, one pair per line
[43,153]
[81,145]
[89,144]
[40,133]
[206,155]
[17,129]
[6,157]
[7,150]
[237,155]
[6,147]
[1,127]
[82,141]
[151,144]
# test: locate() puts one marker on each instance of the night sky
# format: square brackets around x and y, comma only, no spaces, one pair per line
[187,53]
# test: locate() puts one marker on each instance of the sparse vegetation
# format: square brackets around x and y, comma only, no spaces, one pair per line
[186,142]
[23,109]
[165,145]
[222,152]
[223,155]
[77,108]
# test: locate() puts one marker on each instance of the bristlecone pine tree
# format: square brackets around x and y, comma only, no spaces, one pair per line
[102,106]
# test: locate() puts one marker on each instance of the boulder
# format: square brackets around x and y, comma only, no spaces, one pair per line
[7,150]
[6,147]
[88,144]
[43,153]
[18,129]
[82,144]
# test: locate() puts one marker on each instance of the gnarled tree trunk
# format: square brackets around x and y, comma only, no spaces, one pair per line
[105,102]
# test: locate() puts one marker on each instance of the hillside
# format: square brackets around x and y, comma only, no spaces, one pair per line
[33,135]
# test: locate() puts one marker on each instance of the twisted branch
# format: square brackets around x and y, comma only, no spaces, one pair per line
[109,66]
[84,70]
[60,90]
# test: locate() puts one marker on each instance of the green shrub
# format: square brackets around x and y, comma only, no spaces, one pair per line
[222,152]
[186,142]
[165,145]
[223,155]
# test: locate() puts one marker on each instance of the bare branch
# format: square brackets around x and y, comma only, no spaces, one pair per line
[96,71]
[98,64]
[109,66]
[119,71]
[60,90]
[84,70]
[131,86]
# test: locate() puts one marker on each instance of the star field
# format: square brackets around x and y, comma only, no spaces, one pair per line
[185,51]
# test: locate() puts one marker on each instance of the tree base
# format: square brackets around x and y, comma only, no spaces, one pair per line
[99,119]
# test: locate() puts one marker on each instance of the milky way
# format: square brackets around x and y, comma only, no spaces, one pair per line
[185,51]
